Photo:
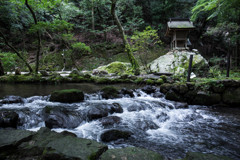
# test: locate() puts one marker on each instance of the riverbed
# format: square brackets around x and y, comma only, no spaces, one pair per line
[156,123]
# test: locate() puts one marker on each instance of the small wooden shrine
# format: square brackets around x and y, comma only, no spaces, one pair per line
[178,29]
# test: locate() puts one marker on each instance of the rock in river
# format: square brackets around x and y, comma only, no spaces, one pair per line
[8,119]
[67,96]
[46,144]
[114,134]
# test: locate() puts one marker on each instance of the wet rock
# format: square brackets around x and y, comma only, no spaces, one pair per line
[67,96]
[13,137]
[158,94]
[96,111]
[171,95]
[180,88]
[180,105]
[128,92]
[116,108]
[136,107]
[110,93]
[202,156]
[66,133]
[131,153]
[165,88]
[11,100]
[46,144]
[149,89]
[8,119]
[114,134]
[162,117]
[110,120]
[203,98]
[189,96]
[232,96]
[145,125]
[230,83]
[59,117]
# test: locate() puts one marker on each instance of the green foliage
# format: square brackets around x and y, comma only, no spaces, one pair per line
[224,10]
[142,42]
[215,72]
[54,26]
[81,47]
[10,61]
[226,33]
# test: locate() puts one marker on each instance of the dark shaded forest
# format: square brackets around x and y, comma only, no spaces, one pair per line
[51,35]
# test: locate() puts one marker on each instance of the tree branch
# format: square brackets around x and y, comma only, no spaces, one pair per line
[18,54]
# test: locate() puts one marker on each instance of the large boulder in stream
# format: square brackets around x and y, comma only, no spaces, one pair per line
[110,121]
[176,62]
[100,110]
[61,117]
[110,92]
[131,153]
[67,96]
[11,100]
[46,144]
[115,134]
[8,119]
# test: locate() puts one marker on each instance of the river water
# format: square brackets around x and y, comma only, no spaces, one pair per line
[156,123]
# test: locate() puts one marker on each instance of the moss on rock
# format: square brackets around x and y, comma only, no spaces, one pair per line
[67,96]
[119,68]
[109,92]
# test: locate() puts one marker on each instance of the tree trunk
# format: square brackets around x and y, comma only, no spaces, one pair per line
[18,54]
[93,20]
[1,69]
[131,58]
[38,35]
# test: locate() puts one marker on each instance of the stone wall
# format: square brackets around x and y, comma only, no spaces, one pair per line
[218,93]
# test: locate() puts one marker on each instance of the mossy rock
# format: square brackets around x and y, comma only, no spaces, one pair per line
[164,88]
[131,153]
[67,96]
[149,81]
[119,68]
[174,96]
[202,156]
[46,144]
[204,98]
[232,96]
[110,92]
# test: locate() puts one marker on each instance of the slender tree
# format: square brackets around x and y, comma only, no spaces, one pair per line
[129,51]
[38,35]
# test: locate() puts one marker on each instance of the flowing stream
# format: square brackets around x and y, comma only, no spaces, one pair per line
[156,123]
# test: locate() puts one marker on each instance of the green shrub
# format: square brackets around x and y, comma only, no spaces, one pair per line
[80,49]
[10,61]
